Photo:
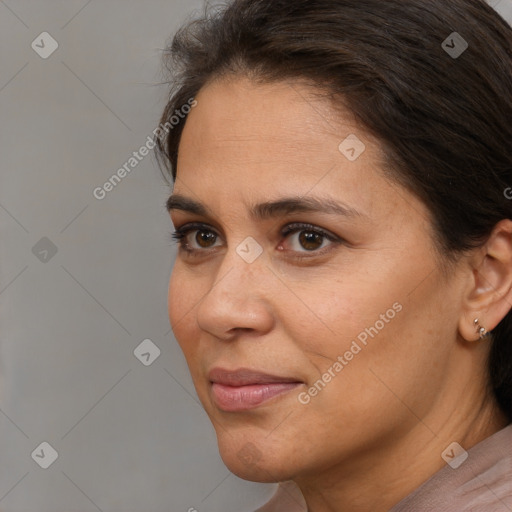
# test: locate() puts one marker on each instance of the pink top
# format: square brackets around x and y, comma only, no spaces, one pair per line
[482,483]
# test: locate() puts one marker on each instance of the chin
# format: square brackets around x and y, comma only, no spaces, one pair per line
[252,460]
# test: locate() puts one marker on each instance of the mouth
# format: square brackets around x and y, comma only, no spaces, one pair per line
[244,389]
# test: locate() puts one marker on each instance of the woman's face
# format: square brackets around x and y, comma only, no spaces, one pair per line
[358,321]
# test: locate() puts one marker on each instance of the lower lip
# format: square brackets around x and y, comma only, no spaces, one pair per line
[243,398]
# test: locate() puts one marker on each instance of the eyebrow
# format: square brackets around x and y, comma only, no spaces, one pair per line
[270,209]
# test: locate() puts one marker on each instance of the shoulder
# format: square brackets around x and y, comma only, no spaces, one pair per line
[481,483]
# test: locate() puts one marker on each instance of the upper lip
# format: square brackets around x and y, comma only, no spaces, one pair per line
[245,377]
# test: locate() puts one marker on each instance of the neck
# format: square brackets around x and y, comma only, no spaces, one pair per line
[379,478]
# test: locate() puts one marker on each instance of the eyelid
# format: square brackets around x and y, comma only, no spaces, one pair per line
[305,226]
[186,228]
[290,228]
[181,232]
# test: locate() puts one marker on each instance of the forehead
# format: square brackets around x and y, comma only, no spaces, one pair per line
[238,114]
[283,126]
[245,143]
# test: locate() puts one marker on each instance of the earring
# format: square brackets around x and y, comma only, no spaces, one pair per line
[479,329]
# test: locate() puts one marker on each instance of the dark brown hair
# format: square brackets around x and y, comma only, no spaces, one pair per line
[444,120]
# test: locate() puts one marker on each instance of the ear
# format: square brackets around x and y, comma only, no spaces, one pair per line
[489,293]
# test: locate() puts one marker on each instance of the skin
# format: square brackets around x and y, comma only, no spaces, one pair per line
[377,430]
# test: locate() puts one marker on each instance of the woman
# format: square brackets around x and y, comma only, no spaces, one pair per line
[343,285]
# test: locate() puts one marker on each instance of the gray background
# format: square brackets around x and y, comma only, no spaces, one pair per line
[129,437]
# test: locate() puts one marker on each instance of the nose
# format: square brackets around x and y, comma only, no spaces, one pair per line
[238,299]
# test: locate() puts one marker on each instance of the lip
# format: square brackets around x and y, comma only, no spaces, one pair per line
[243,389]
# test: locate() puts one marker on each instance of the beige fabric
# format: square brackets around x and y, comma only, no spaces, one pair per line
[482,483]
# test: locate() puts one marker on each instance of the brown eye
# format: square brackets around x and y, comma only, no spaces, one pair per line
[205,238]
[311,240]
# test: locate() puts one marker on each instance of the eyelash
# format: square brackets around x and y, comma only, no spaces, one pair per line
[179,237]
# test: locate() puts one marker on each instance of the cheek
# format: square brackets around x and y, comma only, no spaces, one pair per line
[326,315]
[181,299]
[394,359]
[371,327]
[175,306]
